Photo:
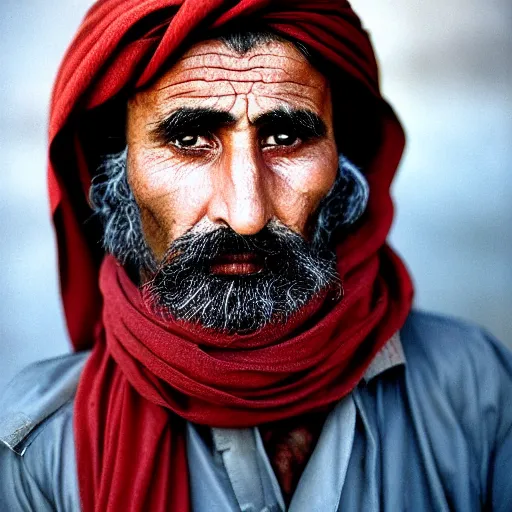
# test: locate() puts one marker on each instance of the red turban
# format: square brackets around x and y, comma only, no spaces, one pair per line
[143,379]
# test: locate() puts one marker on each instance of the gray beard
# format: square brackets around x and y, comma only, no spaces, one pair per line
[182,286]
[185,288]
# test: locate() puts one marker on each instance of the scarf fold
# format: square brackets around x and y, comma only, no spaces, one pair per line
[146,377]
[228,386]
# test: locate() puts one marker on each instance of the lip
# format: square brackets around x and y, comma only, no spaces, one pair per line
[237,264]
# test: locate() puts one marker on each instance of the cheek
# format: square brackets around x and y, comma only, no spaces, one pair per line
[171,195]
[303,182]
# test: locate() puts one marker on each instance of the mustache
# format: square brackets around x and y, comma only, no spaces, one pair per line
[292,271]
[202,249]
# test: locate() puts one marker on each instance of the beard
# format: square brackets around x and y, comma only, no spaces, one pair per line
[289,274]
[184,285]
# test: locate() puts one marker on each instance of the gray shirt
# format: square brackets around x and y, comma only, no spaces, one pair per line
[427,429]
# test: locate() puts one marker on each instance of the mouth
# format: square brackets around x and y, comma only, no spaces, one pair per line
[237,264]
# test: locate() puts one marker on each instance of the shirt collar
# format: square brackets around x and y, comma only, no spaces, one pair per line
[389,356]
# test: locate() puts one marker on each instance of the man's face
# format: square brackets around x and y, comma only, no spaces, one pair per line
[229,157]
[232,140]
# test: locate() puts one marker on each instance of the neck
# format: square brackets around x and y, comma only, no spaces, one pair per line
[289,445]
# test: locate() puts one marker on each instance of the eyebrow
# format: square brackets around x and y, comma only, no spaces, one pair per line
[305,123]
[187,119]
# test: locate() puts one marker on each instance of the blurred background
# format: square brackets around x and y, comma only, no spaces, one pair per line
[447,69]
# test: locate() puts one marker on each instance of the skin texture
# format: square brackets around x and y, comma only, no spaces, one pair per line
[240,174]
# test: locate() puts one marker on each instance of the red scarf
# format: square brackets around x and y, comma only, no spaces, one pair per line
[144,377]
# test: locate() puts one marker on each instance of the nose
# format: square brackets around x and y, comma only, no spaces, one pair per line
[242,198]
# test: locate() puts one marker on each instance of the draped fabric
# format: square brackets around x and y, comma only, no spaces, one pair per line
[145,377]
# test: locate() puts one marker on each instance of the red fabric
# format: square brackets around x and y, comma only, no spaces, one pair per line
[144,378]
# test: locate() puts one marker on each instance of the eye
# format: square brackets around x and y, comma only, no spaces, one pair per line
[280,139]
[191,141]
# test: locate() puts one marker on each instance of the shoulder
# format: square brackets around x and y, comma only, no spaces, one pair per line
[448,333]
[457,366]
[453,352]
[36,436]
[458,382]
[34,395]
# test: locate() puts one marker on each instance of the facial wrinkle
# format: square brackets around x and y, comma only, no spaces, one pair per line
[296,93]
[301,100]
[217,58]
[257,77]
[194,82]
[256,96]
[239,69]
[234,63]
[244,88]
[264,76]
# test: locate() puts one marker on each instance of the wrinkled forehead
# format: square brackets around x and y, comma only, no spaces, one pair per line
[213,75]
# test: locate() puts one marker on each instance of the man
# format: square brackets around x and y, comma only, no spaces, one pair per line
[250,334]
